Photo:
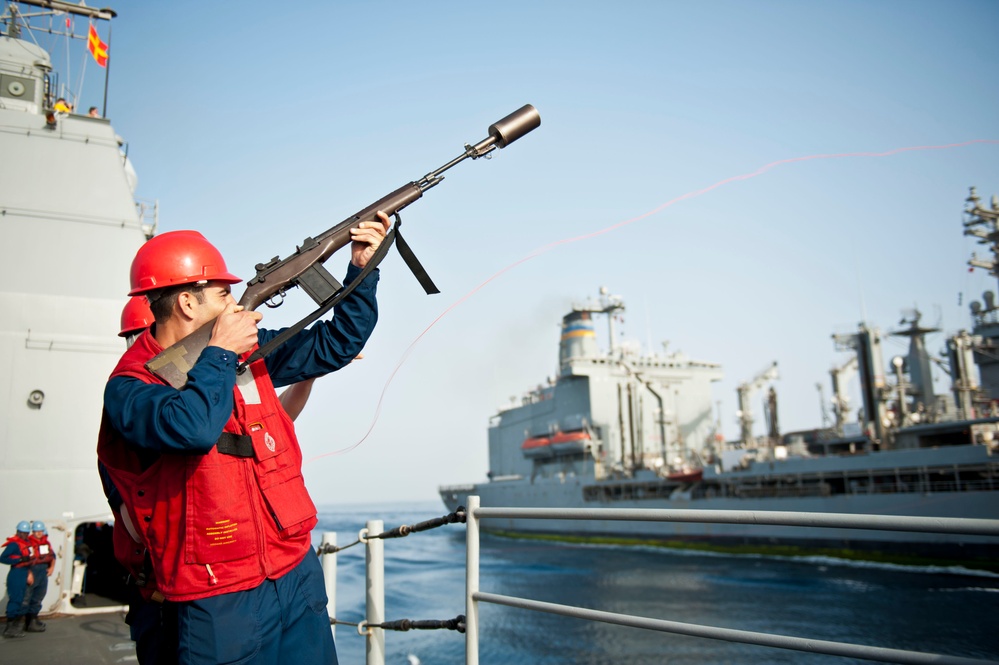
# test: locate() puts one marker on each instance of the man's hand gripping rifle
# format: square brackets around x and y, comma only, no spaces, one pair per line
[305,268]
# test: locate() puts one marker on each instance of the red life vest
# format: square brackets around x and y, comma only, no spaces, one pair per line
[27,556]
[42,550]
[214,523]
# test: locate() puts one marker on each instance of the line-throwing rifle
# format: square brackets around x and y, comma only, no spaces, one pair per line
[305,268]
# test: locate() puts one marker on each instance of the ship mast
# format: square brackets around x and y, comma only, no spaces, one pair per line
[52,7]
[609,305]
[983,223]
[920,382]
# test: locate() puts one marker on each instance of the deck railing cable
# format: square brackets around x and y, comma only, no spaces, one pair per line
[374,624]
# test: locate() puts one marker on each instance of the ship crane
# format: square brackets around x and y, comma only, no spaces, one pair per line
[745,391]
[840,400]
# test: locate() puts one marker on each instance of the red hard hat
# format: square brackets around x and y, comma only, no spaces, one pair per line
[175,258]
[136,316]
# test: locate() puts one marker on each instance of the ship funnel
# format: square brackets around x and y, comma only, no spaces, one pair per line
[579,339]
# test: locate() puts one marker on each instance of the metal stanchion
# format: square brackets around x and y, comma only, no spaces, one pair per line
[328,561]
[471,582]
[374,561]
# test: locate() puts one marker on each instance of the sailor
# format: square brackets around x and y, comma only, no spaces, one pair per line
[17,554]
[135,317]
[209,476]
[152,621]
[42,567]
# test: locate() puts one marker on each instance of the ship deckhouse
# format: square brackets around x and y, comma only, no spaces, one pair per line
[612,412]
[70,228]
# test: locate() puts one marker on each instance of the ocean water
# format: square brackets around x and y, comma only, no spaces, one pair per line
[946,611]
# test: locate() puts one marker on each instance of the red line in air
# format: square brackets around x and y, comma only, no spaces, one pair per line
[689,195]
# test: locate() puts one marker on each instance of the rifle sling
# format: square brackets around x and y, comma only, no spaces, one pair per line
[414,263]
[407,255]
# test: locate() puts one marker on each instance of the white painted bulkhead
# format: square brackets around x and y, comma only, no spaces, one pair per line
[70,228]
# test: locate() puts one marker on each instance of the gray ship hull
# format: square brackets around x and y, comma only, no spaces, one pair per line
[524,494]
[955,481]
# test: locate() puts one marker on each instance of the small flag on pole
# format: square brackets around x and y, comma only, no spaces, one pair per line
[97,48]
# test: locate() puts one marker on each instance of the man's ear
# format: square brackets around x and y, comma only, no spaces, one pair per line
[186,305]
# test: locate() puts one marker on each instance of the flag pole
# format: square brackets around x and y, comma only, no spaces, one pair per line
[107,72]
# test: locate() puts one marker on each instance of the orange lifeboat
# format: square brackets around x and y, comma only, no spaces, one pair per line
[567,443]
[537,446]
[687,476]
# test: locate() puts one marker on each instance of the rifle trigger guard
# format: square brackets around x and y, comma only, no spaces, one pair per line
[275,300]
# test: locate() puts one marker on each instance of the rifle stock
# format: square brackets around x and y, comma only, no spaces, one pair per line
[304,267]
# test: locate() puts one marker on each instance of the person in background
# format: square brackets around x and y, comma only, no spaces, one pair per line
[223,452]
[42,567]
[18,555]
[135,318]
[62,106]
[92,112]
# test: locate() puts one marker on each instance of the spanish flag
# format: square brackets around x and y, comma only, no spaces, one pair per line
[97,48]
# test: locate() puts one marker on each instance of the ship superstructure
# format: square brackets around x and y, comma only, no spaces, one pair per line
[607,413]
[70,227]
[622,429]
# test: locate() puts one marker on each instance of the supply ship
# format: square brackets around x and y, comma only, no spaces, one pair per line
[625,429]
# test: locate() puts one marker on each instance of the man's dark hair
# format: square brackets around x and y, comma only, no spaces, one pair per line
[161,301]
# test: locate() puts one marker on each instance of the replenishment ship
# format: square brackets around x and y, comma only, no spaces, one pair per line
[625,429]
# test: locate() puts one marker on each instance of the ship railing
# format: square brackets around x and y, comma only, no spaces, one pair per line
[148,212]
[373,626]
[474,596]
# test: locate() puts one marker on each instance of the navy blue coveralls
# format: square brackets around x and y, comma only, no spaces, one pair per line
[283,620]
[17,581]
[33,601]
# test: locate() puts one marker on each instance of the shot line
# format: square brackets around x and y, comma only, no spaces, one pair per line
[613,227]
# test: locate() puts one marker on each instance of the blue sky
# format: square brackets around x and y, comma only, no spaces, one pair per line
[265,124]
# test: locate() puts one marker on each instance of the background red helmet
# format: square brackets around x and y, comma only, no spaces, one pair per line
[175,258]
[136,316]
